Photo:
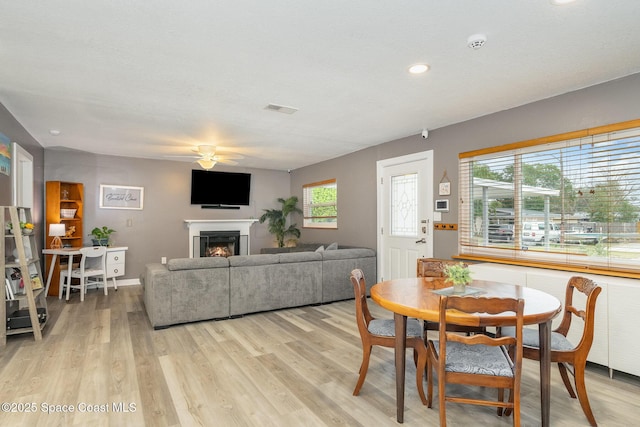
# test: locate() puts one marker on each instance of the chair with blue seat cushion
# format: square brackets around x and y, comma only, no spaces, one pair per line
[569,357]
[382,332]
[477,360]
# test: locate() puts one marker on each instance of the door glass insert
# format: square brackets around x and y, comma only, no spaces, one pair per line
[404,205]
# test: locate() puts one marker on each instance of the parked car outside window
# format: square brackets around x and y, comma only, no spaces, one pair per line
[535,232]
[501,233]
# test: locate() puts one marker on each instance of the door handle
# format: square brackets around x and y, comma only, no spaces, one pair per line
[423,240]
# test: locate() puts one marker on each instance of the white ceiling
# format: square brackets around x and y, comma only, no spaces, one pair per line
[155,78]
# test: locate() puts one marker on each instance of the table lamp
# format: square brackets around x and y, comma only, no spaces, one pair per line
[56,231]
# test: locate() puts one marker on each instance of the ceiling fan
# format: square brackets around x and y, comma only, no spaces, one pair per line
[207,157]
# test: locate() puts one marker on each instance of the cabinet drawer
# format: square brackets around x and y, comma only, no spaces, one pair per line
[115,264]
[115,257]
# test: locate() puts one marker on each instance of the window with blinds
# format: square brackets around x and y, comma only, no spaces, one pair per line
[320,204]
[572,199]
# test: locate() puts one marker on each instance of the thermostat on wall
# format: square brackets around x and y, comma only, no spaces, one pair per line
[442,205]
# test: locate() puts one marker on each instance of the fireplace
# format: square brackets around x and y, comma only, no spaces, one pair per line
[219,243]
[202,227]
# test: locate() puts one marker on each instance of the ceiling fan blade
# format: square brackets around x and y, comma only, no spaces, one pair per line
[227,162]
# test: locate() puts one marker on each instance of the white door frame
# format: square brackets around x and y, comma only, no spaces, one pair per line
[380,167]
[21,177]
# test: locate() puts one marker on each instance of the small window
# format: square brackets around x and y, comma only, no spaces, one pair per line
[320,204]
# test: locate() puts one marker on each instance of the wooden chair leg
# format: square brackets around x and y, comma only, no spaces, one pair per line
[566,380]
[429,384]
[420,368]
[581,389]
[366,352]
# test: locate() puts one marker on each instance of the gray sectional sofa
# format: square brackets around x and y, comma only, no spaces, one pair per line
[192,289]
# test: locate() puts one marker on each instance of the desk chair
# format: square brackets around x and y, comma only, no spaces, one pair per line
[571,359]
[92,265]
[382,332]
[477,360]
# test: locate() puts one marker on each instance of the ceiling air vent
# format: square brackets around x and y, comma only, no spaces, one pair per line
[280,109]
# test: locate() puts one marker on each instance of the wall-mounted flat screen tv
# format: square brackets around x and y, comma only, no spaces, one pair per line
[220,188]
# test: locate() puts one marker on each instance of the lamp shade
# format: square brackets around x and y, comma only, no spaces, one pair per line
[206,163]
[56,230]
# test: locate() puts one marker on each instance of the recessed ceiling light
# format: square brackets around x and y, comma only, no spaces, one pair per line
[54,132]
[561,2]
[418,68]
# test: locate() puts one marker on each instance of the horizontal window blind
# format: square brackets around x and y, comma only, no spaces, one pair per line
[574,201]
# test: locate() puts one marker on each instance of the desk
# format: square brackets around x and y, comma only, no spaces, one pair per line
[115,262]
[416,298]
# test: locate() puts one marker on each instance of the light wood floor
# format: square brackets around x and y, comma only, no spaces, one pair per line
[292,367]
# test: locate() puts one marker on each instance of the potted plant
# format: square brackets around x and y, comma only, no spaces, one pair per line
[101,236]
[25,227]
[459,275]
[277,220]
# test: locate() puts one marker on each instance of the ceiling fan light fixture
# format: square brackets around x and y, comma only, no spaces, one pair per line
[206,164]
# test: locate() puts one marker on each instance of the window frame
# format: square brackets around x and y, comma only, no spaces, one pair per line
[307,206]
[519,255]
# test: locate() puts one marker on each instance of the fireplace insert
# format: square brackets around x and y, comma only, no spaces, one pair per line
[219,243]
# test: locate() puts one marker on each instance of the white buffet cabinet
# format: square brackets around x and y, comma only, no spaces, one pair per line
[617,310]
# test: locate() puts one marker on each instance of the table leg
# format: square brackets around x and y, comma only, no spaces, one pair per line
[400,350]
[544,331]
[51,267]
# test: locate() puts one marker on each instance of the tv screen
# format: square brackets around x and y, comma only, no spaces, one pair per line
[220,188]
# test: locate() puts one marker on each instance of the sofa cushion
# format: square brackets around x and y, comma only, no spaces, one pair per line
[299,257]
[249,260]
[197,263]
[332,247]
[348,253]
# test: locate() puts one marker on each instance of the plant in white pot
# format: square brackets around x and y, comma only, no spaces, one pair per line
[459,275]
[101,236]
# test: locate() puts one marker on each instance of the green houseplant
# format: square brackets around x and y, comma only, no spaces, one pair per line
[277,220]
[101,236]
[459,275]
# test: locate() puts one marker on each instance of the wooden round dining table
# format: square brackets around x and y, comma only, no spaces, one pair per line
[419,298]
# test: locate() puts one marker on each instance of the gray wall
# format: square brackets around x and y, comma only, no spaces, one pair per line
[611,102]
[158,230]
[16,133]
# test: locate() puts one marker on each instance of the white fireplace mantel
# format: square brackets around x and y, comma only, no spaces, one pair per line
[198,225]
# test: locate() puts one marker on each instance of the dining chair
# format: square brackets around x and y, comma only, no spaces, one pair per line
[381,332]
[571,359]
[92,265]
[434,267]
[476,360]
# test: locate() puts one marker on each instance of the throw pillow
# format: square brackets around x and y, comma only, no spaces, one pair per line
[332,247]
[320,249]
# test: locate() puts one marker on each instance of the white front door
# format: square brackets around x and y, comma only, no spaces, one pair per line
[405,217]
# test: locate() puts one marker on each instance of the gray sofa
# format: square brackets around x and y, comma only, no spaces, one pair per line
[192,289]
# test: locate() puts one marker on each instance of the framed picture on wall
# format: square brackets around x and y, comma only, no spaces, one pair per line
[121,197]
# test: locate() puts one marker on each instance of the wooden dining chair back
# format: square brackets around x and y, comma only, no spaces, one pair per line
[571,359]
[434,267]
[92,265]
[381,332]
[477,360]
